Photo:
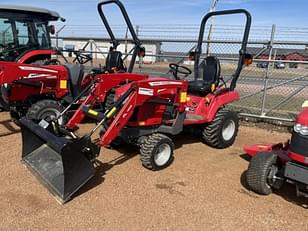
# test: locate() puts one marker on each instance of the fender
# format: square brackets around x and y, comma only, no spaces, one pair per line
[11,71]
[50,78]
[280,149]
[30,54]
[218,101]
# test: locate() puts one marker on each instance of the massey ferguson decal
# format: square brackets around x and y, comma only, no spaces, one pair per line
[162,83]
[27,68]
[47,76]
[37,75]
[145,91]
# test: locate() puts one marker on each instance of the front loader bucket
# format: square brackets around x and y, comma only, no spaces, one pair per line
[59,163]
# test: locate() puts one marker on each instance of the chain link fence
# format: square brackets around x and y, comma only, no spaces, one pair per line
[273,87]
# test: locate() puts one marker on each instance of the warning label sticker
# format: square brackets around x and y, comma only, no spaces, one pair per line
[145,91]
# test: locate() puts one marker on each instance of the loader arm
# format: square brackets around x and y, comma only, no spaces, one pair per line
[79,115]
[120,119]
[104,84]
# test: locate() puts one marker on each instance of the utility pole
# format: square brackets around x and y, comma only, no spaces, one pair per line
[213,8]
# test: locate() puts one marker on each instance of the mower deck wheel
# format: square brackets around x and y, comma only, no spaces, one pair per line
[222,131]
[261,172]
[46,109]
[156,151]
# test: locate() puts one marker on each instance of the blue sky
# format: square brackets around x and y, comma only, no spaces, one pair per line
[264,12]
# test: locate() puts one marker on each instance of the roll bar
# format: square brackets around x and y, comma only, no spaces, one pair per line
[114,41]
[242,51]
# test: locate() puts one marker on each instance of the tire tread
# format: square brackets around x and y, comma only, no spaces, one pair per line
[256,175]
[212,131]
[147,148]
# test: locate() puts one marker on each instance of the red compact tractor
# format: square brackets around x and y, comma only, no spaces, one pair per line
[42,92]
[144,112]
[273,164]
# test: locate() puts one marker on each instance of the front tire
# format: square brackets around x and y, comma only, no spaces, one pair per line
[222,131]
[156,151]
[47,110]
[261,172]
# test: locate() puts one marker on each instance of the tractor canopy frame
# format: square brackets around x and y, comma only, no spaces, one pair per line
[242,52]
[115,43]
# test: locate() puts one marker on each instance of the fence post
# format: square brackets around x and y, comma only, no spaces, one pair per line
[91,49]
[268,68]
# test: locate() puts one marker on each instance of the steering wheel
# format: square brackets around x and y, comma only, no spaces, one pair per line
[176,68]
[82,58]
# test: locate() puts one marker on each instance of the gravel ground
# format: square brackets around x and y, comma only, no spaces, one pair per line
[203,189]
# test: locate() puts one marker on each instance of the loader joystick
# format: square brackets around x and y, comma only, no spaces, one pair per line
[176,68]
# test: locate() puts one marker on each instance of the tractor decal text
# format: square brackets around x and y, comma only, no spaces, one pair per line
[26,68]
[145,91]
[47,76]
[165,83]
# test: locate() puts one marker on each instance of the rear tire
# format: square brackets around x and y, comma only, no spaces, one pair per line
[47,110]
[222,131]
[259,172]
[156,151]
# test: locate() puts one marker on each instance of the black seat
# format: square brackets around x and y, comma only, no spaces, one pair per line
[76,72]
[114,62]
[209,69]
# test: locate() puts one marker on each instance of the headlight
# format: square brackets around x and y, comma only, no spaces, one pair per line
[297,127]
[303,130]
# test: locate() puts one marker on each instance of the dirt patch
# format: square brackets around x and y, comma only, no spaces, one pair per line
[203,189]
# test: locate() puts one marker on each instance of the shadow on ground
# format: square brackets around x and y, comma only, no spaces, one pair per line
[186,138]
[127,153]
[10,129]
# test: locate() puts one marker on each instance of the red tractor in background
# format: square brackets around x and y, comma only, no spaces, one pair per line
[24,34]
[273,164]
[42,92]
[25,38]
[145,112]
